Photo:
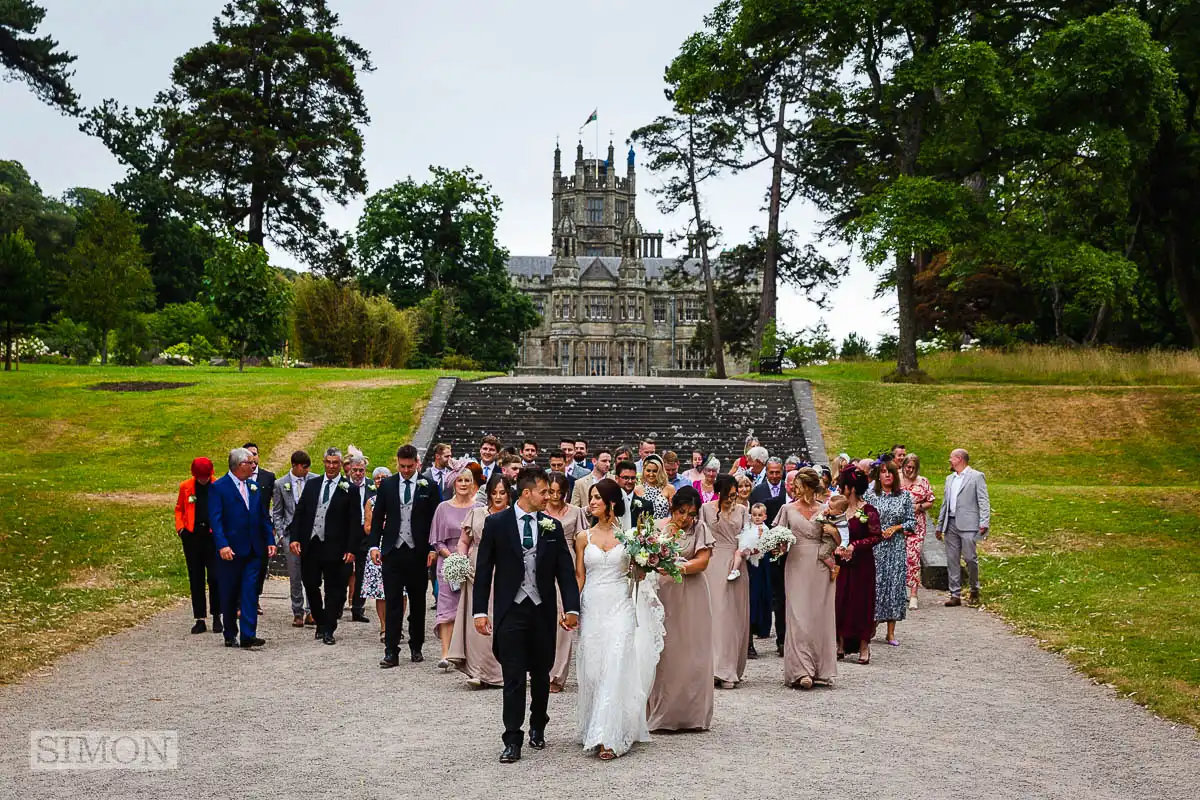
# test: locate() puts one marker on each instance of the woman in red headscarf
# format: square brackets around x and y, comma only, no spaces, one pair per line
[191,523]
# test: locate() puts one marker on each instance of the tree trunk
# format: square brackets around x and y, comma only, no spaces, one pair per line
[1098,323]
[8,346]
[104,347]
[906,305]
[242,357]
[710,295]
[766,306]
[1186,277]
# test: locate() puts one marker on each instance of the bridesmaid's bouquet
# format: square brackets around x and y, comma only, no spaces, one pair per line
[456,569]
[775,540]
[651,549]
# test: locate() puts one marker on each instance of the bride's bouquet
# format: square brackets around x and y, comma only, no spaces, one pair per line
[651,549]
[456,569]
[774,540]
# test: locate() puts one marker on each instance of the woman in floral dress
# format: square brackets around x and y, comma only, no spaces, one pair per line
[896,523]
[917,485]
[655,487]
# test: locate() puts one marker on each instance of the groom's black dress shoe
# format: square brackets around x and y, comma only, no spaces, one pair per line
[230,642]
[512,753]
[253,641]
[319,634]
[387,662]
[329,639]
[537,739]
[417,658]
[359,617]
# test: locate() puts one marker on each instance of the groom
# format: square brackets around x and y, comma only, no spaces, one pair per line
[528,553]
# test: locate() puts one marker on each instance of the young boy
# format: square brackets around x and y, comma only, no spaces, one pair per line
[835,532]
[748,541]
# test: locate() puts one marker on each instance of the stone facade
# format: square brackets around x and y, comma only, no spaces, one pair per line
[610,303]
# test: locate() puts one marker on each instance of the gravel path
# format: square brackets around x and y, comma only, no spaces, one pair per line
[961,708]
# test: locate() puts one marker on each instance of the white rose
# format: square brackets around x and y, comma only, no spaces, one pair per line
[642,559]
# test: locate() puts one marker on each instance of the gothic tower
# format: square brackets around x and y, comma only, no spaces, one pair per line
[595,200]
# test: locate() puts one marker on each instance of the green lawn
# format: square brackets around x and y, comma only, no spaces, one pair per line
[1095,548]
[88,479]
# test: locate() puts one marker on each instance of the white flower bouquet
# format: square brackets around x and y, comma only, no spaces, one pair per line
[457,570]
[776,541]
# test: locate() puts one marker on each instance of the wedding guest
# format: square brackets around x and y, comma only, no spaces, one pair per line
[766,579]
[444,533]
[635,505]
[529,453]
[682,695]
[558,463]
[674,477]
[964,518]
[323,533]
[265,480]
[622,453]
[283,511]
[574,521]
[899,453]
[896,523]
[744,487]
[581,465]
[356,471]
[400,541]
[725,519]
[439,470]
[241,529]
[655,488]
[917,485]
[567,448]
[191,523]
[372,581]
[855,601]
[756,464]
[646,447]
[470,651]
[489,451]
[839,463]
[600,467]
[706,485]
[743,461]
[694,473]
[509,466]
[810,641]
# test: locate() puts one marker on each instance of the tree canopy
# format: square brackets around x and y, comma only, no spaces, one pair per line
[36,60]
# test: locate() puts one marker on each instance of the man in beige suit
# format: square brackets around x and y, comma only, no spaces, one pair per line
[964,519]
[583,486]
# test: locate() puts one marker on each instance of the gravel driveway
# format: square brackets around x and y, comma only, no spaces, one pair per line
[962,708]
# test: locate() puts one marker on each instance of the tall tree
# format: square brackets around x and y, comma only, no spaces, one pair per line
[264,122]
[250,299]
[36,60]
[687,153]
[105,277]
[415,239]
[24,287]
[47,223]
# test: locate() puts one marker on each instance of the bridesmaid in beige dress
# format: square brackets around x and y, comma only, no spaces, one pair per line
[730,600]
[810,638]
[574,522]
[681,698]
[470,651]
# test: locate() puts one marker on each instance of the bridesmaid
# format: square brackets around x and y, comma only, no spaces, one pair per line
[730,600]
[574,522]
[471,651]
[444,533]
[855,601]
[810,637]
[681,698]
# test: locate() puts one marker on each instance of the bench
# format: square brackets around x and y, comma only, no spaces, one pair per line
[771,366]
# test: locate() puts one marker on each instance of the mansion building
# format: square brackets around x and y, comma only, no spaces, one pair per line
[610,303]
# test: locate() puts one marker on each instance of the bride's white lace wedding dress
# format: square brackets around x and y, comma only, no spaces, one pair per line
[620,638]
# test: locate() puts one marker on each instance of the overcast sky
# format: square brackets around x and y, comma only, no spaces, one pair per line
[458,83]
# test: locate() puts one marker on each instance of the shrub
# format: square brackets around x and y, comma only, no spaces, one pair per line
[200,348]
[133,337]
[391,334]
[888,348]
[53,358]
[456,362]
[328,321]
[998,336]
[855,347]
[810,346]
[28,348]
[181,322]
[66,337]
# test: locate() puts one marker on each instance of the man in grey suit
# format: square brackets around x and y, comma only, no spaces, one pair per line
[964,518]
[283,508]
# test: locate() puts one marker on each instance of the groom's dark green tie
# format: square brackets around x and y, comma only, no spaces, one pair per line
[325,494]
[527,535]
[407,492]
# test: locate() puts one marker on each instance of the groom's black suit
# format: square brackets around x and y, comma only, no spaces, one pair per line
[523,633]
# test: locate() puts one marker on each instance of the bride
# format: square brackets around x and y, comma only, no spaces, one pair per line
[620,632]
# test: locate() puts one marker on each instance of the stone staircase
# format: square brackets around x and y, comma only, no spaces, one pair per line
[682,415]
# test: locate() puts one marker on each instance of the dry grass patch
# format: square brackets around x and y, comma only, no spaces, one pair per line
[130,498]
[368,383]
[90,578]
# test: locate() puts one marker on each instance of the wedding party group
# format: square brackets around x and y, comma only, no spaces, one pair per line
[654,580]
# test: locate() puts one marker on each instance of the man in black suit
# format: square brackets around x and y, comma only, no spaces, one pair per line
[356,471]
[327,517]
[399,540]
[527,553]
[265,480]
[635,505]
[772,494]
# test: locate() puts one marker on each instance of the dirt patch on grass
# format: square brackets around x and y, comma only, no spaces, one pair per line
[90,578]
[129,498]
[368,383]
[138,386]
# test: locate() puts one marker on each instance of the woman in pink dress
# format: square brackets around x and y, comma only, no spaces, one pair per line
[706,486]
[729,599]
[444,533]
[916,484]
[574,522]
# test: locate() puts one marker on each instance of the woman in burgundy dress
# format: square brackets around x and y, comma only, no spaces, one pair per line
[855,601]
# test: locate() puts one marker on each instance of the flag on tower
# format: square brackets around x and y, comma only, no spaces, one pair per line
[590,119]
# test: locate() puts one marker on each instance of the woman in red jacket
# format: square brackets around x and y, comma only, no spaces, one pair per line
[191,523]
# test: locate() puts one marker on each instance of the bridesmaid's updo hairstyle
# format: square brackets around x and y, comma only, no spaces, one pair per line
[498,479]
[684,497]
[560,480]
[853,478]
[806,484]
[610,493]
[724,486]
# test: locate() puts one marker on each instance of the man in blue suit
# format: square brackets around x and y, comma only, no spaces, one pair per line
[241,529]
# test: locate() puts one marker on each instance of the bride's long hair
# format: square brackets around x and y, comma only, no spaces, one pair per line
[610,494]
